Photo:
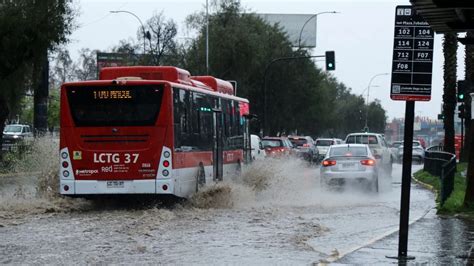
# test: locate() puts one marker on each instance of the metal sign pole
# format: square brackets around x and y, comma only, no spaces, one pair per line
[412,66]
[406,181]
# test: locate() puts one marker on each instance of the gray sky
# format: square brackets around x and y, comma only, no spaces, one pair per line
[361,35]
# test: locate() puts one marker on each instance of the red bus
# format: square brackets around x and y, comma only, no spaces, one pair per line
[149,130]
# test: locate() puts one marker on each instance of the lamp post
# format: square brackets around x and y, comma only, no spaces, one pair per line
[368,90]
[145,36]
[310,18]
[207,37]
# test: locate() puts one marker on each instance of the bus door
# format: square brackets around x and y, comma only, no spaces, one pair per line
[217,152]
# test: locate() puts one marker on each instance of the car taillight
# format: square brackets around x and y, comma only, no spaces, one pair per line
[326,163]
[368,162]
[282,149]
[306,145]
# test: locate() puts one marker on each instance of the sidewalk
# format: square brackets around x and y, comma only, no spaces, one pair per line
[431,240]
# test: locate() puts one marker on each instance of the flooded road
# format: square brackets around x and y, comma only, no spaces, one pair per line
[275,214]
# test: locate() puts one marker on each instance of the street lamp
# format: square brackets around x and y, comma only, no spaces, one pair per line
[145,35]
[207,37]
[310,18]
[368,90]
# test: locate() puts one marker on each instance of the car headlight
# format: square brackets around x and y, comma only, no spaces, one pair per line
[16,136]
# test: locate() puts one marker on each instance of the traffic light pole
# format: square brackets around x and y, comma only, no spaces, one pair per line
[462,137]
[264,87]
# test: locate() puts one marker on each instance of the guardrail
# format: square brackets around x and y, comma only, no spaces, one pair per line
[442,164]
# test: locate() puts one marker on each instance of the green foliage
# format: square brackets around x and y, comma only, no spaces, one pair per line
[53,108]
[300,96]
[29,29]
[455,202]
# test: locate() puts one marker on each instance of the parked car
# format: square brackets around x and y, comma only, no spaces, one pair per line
[15,134]
[378,146]
[323,145]
[349,164]
[418,152]
[394,149]
[258,152]
[277,146]
[305,148]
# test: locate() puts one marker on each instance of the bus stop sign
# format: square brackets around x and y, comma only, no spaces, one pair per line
[412,57]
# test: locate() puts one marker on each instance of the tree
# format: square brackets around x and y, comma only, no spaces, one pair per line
[377,117]
[301,97]
[469,77]
[162,48]
[63,69]
[86,68]
[450,45]
[29,29]
[468,154]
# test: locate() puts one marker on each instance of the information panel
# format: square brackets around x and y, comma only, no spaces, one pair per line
[412,57]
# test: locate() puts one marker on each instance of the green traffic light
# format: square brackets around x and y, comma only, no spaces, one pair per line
[461,96]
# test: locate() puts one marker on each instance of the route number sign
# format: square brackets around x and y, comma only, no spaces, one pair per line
[412,57]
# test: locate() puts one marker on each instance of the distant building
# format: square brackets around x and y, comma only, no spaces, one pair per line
[430,130]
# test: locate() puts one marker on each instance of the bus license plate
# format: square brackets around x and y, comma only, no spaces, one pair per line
[115,184]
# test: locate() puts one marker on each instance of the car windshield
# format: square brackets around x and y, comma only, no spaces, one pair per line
[324,142]
[362,139]
[271,143]
[348,151]
[414,146]
[298,142]
[12,129]
[396,144]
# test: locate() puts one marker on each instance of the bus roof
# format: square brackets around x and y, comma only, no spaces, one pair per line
[168,73]
[145,82]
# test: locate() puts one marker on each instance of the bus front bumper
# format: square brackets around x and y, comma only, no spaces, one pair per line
[95,187]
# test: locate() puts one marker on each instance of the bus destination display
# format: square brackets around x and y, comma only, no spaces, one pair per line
[412,57]
[112,94]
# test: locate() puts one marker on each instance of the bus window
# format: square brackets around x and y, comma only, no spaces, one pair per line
[113,106]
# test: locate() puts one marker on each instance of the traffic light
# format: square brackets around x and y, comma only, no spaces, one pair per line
[330,60]
[462,112]
[462,89]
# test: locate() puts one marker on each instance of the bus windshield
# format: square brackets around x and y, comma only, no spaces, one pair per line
[114,105]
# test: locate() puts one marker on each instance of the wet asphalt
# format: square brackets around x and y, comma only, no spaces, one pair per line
[288,220]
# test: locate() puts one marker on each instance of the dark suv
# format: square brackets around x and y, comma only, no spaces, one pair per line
[305,147]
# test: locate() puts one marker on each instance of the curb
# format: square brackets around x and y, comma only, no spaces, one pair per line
[335,258]
[425,185]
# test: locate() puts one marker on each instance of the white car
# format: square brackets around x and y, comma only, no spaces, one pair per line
[346,164]
[15,134]
[418,153]
[258,152]
[323,145]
